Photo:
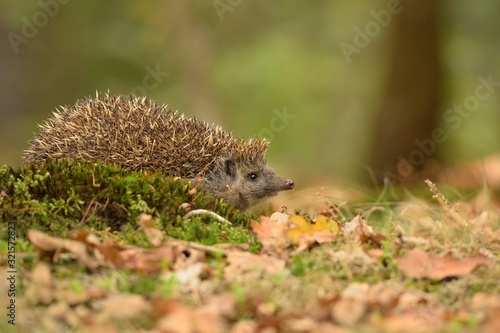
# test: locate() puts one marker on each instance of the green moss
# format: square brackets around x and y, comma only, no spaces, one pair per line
[61,196]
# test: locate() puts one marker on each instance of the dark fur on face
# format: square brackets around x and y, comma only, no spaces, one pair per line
[244,183]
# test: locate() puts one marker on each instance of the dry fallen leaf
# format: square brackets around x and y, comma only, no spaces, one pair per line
[412,321]
[348,312]
[53,247]
[174,317]
[271,234]
[359,227]
[41,289]
[492,325]
[275,236]
[375,253]
[279,217]
[225,303]
[77,297]
[419,264]
[192,275]
[244,326]
[320,309]
[192,191]
[304,233]
[306,240]
[155,236]
[208,320]
[243,264]
[124,307]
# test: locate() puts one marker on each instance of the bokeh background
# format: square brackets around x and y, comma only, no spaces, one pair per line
[340,88]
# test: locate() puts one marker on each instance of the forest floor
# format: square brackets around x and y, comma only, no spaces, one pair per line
[94,249]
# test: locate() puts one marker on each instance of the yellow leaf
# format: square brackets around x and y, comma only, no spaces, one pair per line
[301,227]
[294,234]
[323,223]
[302,224]
[334,227]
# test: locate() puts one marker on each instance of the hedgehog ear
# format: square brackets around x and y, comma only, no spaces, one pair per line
[230,167]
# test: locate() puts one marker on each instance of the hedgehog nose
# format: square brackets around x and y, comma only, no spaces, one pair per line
[289,184]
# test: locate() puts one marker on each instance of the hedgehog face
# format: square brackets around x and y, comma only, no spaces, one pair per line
[252,181]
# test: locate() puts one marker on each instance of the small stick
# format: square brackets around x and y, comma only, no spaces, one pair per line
[86,212]
[209,213]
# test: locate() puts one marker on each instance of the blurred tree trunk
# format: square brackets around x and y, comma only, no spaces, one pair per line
[410,110]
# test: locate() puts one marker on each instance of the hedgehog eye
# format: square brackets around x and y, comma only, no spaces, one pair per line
[252,176]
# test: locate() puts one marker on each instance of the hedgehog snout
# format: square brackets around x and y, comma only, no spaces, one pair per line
[289,184]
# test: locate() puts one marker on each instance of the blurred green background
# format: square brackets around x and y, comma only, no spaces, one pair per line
[244,65]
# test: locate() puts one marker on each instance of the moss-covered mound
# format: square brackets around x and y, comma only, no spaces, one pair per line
[61,196]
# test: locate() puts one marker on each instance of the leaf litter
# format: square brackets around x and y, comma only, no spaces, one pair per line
[227,288]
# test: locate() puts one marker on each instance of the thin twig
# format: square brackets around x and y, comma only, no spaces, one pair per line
[86,212]
[209,213]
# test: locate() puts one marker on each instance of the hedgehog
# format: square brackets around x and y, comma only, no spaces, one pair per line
[139,135]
